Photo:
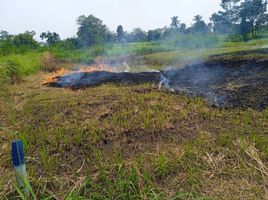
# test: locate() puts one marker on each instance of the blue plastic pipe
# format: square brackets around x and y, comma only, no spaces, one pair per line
[19,162]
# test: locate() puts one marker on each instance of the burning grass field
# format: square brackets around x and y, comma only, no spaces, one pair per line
[224,80]
[136,141]
[131,142]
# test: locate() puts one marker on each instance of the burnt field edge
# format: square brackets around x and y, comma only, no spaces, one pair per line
[224,83]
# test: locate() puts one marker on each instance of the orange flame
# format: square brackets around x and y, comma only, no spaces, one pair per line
[53,77]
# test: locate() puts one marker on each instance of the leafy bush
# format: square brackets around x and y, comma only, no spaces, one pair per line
[6,47]
[21,43]
[26,64]
[97,50]
[235,38]
[11,72]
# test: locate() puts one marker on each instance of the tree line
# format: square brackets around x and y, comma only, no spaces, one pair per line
[243,18]
[240,17]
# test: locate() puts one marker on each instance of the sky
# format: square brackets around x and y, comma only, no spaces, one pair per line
[17,16]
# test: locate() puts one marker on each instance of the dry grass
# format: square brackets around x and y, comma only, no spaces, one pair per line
[48,62]
[132,142]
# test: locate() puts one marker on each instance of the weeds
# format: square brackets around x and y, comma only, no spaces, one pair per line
[48,62]
[11,72]
[225,139]
[14,67]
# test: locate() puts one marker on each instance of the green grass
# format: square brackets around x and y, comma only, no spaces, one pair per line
[27,63]
[15,66]
[82,56]
[152,55]
[182,57]
[131,142]
[139,48]
[123,142]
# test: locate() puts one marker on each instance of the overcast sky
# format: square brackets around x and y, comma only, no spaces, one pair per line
[17,16]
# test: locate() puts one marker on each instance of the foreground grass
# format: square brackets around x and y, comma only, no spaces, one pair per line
[131,142]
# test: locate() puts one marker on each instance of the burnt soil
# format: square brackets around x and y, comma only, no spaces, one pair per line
[223,82]
[238,84]
[78,80]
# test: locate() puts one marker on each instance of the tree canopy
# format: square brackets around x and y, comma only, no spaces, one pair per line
[91,31]
[199,25]
[51,38]
[120,33]
[240,17]
[243,19]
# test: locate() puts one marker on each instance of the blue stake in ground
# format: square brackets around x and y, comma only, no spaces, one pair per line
[19,162]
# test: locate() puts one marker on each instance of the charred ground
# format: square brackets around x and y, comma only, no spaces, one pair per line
[240,84]
[229,80]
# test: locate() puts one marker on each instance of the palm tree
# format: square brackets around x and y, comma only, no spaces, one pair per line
[197,18]
[175,22]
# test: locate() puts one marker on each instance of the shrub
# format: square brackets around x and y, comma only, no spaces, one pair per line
[48,62]
[6,47]
[2,74]
[11,72]
[97,50]
[235,38]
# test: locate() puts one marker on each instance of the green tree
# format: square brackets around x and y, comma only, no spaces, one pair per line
[154,35]
[18,43]
[199,25]
[137,35]
[6,43]
[5,35]
[91,31]
[51,38]
[221,23]
[120,33]
[182,28]
[175,23]
[25,40]
[197,18]
[225,2]
[167,32]
[227,20]
[241,17]
[252,14]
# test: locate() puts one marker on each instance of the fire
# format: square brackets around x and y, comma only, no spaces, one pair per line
[95,67]
[53,77]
